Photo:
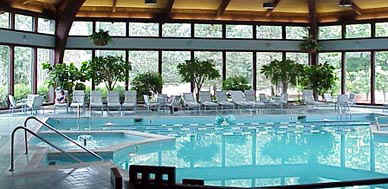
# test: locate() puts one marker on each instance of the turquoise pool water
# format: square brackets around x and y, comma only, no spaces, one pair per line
[254,151]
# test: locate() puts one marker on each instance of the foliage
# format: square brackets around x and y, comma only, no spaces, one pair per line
[197,72]
[321,78]
[147,84]
[100,38]
[80,86]
[285,72]
[106,69]
[44,92]
[64,76]
[236,83]
[309,45]
[21,91]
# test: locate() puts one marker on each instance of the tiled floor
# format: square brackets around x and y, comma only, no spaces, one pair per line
[96,175]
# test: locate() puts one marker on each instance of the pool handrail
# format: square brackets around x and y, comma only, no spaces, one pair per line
[12,167]
[57,132]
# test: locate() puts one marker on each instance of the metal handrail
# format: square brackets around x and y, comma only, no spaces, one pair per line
[57,132]
[37,136]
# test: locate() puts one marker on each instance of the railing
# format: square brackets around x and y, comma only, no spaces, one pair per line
[57,132]
[37,136]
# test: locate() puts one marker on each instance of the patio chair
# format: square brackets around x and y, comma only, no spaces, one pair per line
[351,99]
[130,100]
[14,105]
[162,99]
[149,105]
[250,96]
[222,100]
[205,100]
[78,100]
[96,101]
[308,99]
[34,103]
[189,102]
[58,104]
[342,103]
[238,98]
[278,101]
[113,100]
[175,102]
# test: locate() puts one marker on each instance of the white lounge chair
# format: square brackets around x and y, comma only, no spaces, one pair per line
[96,101]
[34,103]
[222,100]
[342,103]
[14,105]
[189,102]
[238,98]
[205,100]
[250,96]
[113,100]
[78,100]
[149,105]
[130,101]
[64,104]
[279,101]
[162,100]
[308,99]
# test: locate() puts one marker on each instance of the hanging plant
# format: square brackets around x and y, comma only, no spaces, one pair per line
[100,38]
[310,45]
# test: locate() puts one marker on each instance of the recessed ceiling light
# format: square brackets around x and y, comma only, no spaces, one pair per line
[268,5]
[150,2]
[345,3]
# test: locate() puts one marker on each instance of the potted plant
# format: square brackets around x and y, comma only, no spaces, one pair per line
[236,83]
[310,45]
[198,71]
[147,84]
[283,72]
[107,69]
[320,78]
[100,38]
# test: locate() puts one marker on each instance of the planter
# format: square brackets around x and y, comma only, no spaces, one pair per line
[100,42]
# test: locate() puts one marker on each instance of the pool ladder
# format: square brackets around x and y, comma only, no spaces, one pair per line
[26,130]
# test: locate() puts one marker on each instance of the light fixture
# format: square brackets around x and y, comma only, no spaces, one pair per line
[268,5]
[345,3]
[150,2]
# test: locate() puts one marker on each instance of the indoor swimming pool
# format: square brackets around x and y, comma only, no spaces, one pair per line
[247,150]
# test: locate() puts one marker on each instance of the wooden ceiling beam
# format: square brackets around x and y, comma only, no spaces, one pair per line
[275,4]
[114,3]
[169,7]
[356,9]
[221,9]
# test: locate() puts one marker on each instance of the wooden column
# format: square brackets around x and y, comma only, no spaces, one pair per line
[373,77]
[160,59]
[313,30]
[11,88]
[343,76]
[35,71]
[127,71]
[223,65]
[93,83]
[65,17]
[254,71]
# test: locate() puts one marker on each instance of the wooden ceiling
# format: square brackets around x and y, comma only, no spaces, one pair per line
[240,10]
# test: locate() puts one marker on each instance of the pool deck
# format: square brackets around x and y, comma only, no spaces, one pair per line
[90,175]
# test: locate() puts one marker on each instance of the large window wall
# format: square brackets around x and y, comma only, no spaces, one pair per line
[333,59]
[4,77]
[44,56]
[381,80]
[23,72]
[217,59]
[357,73]
[264,85]
[239,64]
[142,62]
[173,84]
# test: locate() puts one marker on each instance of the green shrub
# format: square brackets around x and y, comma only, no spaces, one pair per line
[236,83]
[147,84]
[21,91]
[44,92]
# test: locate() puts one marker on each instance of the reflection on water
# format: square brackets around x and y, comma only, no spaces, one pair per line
[270,155]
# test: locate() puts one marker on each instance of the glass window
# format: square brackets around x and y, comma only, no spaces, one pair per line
[357,67]
[268,32]
[239,31]
[173,84]
[239,64]
[4,69]
[208,30]
[264,85]
[142,62]
[381,77]
[114,28]
[4,20]
[44,56]
[143,29]
[110,53]
[77,57]
[382,29]
[334,59]
[46,26]
[23,22]
[81,28]
[358,30]
[296,32]
[217,58]
[23,70]
[176,30]
[301,58]
[330,32]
